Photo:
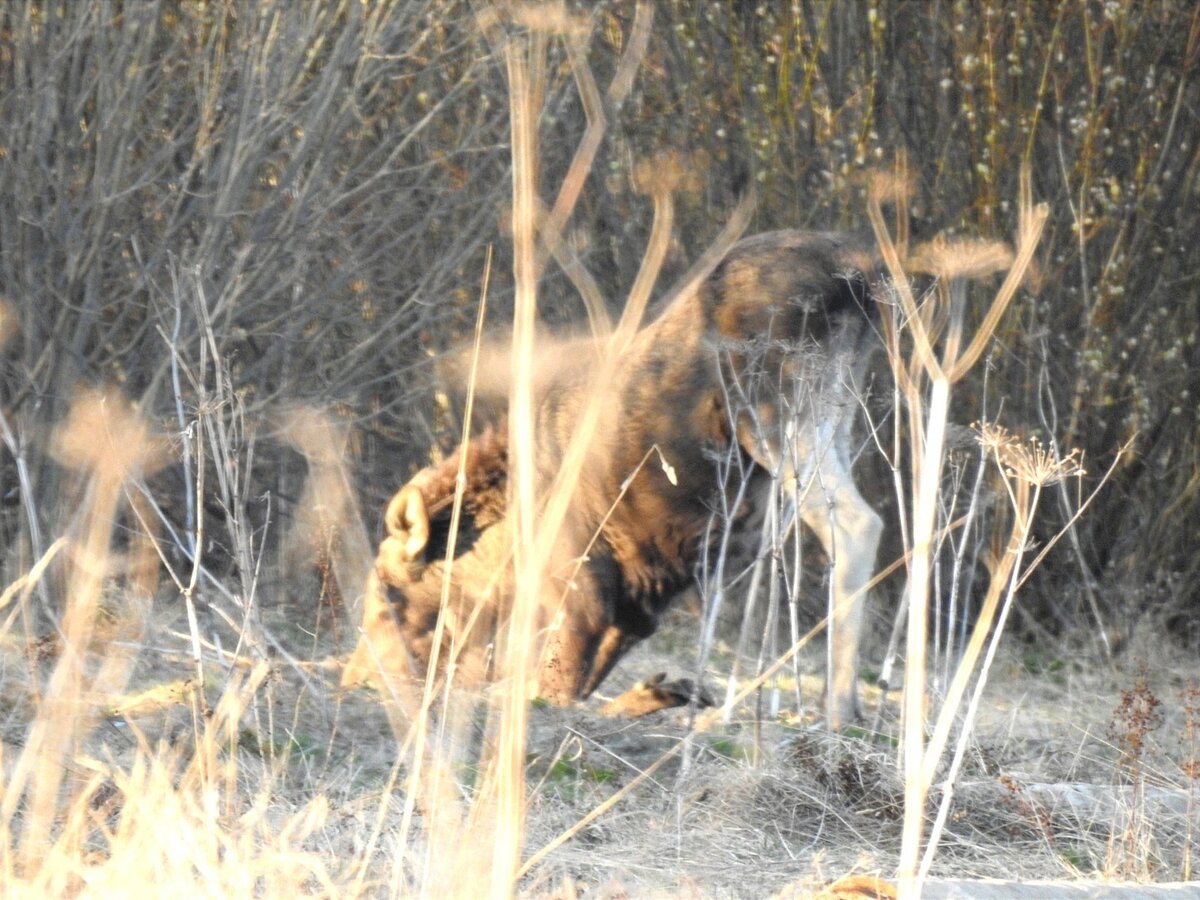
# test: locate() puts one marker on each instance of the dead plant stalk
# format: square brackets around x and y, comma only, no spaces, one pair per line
[953,265]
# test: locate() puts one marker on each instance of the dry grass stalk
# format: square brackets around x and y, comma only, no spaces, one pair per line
[328,520]
[927,431]
[26,583]
[430,724]
[1026,467]
[108,445]
[506,775]
[499,808]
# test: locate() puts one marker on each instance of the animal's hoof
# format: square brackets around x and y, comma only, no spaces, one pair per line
[654,694]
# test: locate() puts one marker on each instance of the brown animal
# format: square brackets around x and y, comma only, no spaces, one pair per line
[746,383]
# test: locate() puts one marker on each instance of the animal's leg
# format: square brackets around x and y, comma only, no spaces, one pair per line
[849,530]
[579,655]
[613,645]
[845,524]
[567,659]
[581,640]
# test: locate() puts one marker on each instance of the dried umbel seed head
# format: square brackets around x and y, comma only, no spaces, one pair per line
[888,187]
[103,435]
[666,173]
[1030,459]
[316,435]
[962,258]
[550,18]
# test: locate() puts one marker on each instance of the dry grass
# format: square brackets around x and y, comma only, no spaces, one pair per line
[291,787]
[186,738]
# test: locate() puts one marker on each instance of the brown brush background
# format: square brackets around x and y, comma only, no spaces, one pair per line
[325,185]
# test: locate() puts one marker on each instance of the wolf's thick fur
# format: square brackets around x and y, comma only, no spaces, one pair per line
[746,380]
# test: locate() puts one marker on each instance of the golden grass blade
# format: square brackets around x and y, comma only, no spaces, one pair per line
[1032,223]
[657,244]
[895,266]
[26,582]
[508,780]
[729,235]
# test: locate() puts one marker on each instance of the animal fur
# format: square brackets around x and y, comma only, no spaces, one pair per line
[746,383]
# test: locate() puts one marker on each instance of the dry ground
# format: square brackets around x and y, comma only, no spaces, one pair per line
[763,804]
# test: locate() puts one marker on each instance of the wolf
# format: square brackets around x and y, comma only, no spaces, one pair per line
[746,383]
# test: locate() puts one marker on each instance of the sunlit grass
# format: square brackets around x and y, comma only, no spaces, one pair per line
[144,755]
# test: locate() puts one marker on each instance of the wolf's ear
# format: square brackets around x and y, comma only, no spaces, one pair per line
[407,520]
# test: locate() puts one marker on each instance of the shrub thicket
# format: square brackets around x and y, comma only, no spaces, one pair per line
[227,209]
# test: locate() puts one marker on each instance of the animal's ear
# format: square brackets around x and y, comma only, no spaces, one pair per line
[407,520]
